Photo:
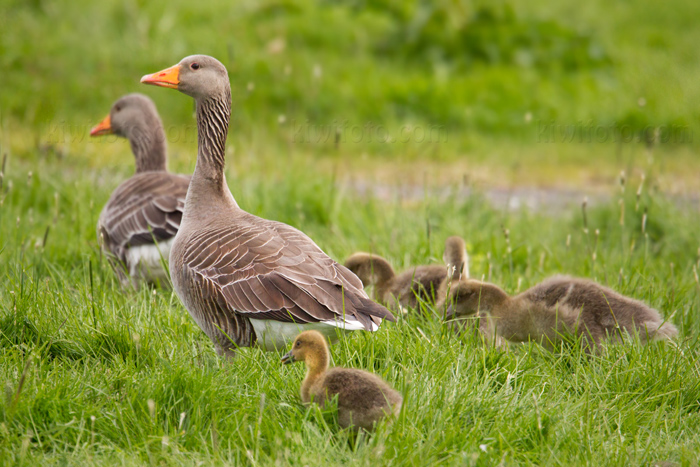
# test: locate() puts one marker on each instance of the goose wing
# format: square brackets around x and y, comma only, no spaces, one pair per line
[268,270]
[145,208]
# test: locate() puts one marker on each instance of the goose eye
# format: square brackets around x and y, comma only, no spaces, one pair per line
[117,108]
[298,344]
[195,66]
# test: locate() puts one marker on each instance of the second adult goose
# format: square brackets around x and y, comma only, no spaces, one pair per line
[141,218]
[244,279]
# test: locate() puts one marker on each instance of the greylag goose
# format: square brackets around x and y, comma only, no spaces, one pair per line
[404,289]
[140,220]
[558,306]
[247,280]
[363,397]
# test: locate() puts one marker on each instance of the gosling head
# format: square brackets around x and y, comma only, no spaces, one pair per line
[371,269]
[305,346]
[469,297]
[456,258]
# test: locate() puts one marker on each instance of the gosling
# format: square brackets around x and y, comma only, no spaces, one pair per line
[457,262]
[559,306]
[414,284]
[363,398]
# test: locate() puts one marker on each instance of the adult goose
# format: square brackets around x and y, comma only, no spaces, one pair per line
[138,223]
[247,280]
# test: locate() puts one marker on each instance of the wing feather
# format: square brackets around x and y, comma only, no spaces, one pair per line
[145,207]
[268,270]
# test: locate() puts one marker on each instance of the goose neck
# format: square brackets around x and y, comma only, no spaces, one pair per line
[316,366]
[213,115]
[149,147]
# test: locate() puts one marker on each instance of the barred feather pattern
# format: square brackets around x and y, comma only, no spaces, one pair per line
[213,116]
[149,147]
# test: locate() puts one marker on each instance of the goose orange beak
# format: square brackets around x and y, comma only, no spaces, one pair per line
[168,78]
[288,358]
[102,128]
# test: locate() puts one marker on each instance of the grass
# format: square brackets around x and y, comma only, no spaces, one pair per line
[97,375]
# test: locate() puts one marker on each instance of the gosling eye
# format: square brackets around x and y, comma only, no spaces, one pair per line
[298,344]
[117,108]
[195,66]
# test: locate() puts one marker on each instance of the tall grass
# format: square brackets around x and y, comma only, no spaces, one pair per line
[95,374]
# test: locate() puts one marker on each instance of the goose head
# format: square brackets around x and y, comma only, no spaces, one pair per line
[198,76]
[129,116]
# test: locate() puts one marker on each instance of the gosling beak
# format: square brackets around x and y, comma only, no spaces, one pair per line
[102,128]
[288,358]
[168,78]
[449,312]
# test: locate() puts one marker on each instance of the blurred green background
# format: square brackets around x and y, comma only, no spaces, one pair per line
[558,88]
[470,107]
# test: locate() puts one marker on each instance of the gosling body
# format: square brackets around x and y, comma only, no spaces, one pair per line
[558,306]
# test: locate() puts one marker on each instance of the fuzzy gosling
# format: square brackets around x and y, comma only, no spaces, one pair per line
[404,289]
[457,262]
[363,397]
[559,305]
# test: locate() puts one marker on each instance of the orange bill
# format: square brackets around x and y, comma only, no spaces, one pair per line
[102,128]
[168,78]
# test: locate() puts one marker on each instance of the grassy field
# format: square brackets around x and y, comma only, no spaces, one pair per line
[96,375]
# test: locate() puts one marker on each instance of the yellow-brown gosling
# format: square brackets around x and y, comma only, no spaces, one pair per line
[363,398]
[558,306]
[407,287]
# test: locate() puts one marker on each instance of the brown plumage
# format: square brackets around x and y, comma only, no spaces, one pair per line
[391,289]
[138,223]
[558,306]
[363,397]
[457,262]
[244,279]
[405,289]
